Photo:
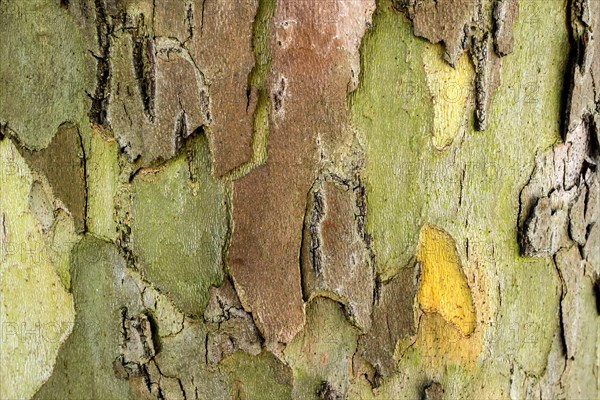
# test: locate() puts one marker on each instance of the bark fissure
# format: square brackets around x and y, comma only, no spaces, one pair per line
[100,99]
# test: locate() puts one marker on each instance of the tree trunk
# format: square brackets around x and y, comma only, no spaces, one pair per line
[275,199]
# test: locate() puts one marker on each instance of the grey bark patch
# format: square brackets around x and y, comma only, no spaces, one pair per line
[154,82]
[555,202]
[221,301]
[505,15]
[441,21]
[393,319]
[487,79]
[563,223]
[577,225]
[592,206]
[546,229]
[580,332]
[327,392]
[230,327]
[138,345]
[335,258]
[63,164]
[433,391]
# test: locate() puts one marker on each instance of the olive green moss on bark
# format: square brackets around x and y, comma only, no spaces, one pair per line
[102,179]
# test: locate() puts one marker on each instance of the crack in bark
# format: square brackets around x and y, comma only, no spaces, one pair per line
[144,63]
[100,99]
[317,215]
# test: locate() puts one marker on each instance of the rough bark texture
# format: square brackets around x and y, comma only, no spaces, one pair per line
[260,199]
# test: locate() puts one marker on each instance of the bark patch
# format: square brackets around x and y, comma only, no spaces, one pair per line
[443,287]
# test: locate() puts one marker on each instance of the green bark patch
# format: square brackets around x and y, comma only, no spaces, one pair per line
[44,74]
[392,110]
[323,351]
[179,225]
[84,366]
[471,190]
[257,377]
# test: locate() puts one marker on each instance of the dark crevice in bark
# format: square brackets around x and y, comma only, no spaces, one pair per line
[597,293]
[100,99]
[180,130]
[461,183]
[360,192]
[579,33]
[85,181]
[481,58]
[573,63]
[561,314]
[137,362]
[433,391]
[144,64]
[279,96]
[377,288]
[189,19]
[327,392]
[154,330]
[317,215]
[593,145]
[203,6]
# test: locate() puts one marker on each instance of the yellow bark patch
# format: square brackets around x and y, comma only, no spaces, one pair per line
[450,89]
[441,344]
[443,287]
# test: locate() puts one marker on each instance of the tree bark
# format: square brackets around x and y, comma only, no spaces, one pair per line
[275,199]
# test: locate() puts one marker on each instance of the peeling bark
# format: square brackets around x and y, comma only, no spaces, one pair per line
[260,199]
[559,211]
[336,260]
[265,266]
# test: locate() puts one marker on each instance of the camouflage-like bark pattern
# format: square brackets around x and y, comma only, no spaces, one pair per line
[275,199]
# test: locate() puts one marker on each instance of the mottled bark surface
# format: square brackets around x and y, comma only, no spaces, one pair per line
[275,199]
